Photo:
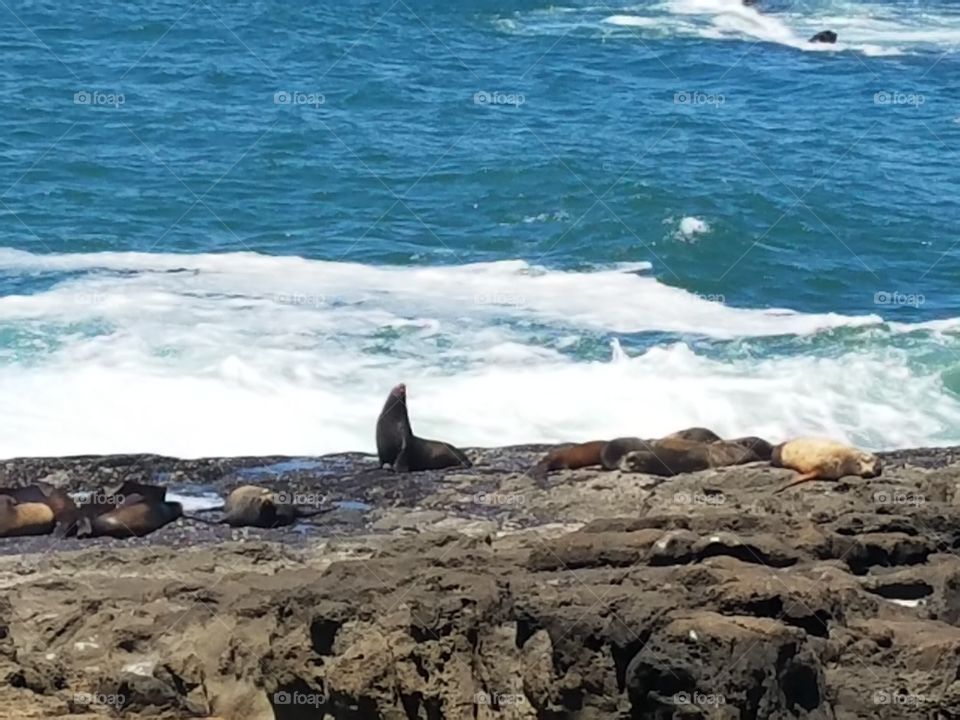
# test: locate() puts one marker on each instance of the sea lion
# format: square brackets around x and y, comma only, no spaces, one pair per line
[824,36]
[133,516]
[672,456]
[60,503]
[403,451]
[760,448]
[254,506]
[25,518]
[613,451]
[570,457]
[823,459]
[697,434]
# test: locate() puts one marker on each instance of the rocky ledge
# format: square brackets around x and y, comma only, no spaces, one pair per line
[481,594]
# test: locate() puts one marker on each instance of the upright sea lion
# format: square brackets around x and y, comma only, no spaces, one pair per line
[823,459]
[824,36]
[133,516]
[672,456]
[570,457]
[254,506]
[25,518]
[398,447]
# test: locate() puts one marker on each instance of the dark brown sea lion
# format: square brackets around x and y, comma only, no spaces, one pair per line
[133,516]
[613,451]
[25,518]
[697,434]
[64,508]
[672,456]
[399,448]
[570,457]
[823,459]
[760,448]
[824,36]
[254,506]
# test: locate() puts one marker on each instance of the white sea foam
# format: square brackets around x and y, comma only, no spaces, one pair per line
[872,30]
[247,354]
[691,226]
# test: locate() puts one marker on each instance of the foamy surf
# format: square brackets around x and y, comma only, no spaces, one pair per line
[241,353]
[871,30]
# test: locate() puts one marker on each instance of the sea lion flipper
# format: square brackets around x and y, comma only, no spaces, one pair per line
[402,463]
[800,480]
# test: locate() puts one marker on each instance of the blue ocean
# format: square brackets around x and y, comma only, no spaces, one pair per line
[230,228]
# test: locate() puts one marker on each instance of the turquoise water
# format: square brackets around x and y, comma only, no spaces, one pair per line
[233,229]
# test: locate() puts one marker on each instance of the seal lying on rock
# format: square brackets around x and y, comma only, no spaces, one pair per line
[570,457]
[672,456]
[823,459]
[613,451]
[616,449]
[133,516]
[25,518]
[254,506]
[398,447]
[698,434]
[62,506]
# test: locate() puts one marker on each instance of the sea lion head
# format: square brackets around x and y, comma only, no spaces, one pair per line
[869,464]
[399,391]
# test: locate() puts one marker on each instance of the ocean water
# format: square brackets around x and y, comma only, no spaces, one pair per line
[230,229]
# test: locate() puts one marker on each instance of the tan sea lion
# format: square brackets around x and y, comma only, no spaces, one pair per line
[570,457]
[254,506]
[823,459]
[25,518]
[403,451]
[133,516]
[60,503]
[672,456]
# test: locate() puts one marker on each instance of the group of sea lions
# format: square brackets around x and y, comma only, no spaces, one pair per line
[129,509]
[133,509]
[699,448]
[684,451]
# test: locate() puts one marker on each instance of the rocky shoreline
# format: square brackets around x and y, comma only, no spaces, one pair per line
[483,593]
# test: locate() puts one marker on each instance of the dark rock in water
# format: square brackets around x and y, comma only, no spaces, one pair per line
[824,36]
